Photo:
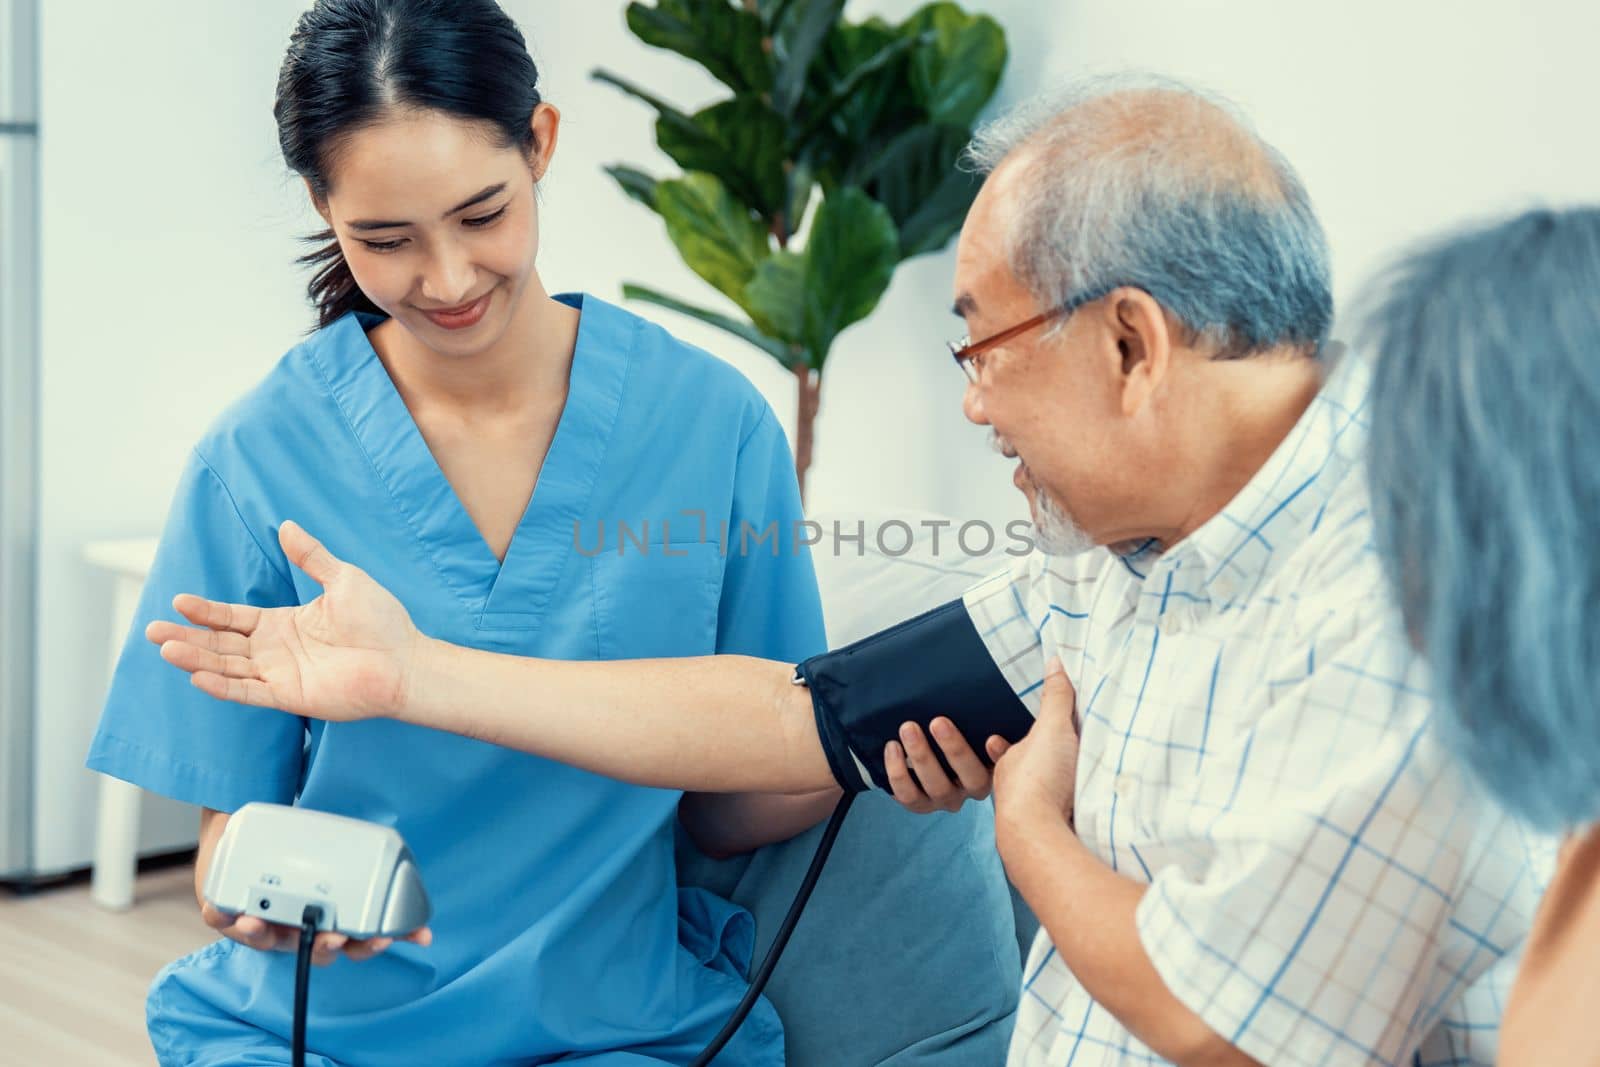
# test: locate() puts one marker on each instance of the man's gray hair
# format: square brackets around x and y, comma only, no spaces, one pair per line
[1149,183]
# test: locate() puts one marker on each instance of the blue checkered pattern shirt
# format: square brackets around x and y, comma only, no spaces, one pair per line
[1324,885]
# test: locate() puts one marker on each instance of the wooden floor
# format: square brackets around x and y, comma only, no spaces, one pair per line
[73,976]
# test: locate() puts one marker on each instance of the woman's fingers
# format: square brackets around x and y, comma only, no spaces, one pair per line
[238,690]
[258,933]
[245,929]
[326,948]
[365,950]
[223,642]
[215,615]
[307,553]
[193,658]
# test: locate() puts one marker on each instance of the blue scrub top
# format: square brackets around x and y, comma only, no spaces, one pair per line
[558,926]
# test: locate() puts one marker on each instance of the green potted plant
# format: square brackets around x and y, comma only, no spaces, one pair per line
[834,159]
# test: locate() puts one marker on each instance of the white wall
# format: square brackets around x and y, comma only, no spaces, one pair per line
[167,234]
[168,231]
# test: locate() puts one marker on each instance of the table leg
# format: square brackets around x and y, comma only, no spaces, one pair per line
[116,847]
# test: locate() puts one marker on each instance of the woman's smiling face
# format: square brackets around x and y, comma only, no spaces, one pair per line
[438,222]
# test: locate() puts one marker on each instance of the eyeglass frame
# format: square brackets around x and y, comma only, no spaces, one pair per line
[968,354]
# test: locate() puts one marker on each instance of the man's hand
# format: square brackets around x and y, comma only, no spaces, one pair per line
[932,789]
[346,655]
[1043,770]
[1037,776]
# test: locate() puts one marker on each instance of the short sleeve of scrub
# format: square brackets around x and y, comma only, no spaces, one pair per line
[770,606]
[157,730]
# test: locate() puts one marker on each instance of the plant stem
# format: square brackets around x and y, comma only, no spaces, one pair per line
[810,399]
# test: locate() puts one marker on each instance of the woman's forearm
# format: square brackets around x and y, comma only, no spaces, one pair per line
[711,724]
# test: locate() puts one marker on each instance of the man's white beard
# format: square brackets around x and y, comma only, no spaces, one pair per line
[1054,532]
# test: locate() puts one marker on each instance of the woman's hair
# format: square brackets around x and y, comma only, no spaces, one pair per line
[352,62]
[1485,466]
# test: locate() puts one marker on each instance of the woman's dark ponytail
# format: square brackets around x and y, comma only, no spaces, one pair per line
[351,62]
[333,288]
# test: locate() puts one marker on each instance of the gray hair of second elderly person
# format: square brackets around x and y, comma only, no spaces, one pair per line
[1148,183]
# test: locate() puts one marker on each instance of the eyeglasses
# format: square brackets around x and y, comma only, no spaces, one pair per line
[969,354]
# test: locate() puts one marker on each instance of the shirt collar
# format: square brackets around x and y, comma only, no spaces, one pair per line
[1224,560]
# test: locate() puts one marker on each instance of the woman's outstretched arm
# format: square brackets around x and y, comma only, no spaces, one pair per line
[709,724]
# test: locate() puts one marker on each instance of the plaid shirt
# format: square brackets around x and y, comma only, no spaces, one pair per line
[1324,885]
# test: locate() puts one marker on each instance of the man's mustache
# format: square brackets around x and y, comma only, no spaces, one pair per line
[1001,445]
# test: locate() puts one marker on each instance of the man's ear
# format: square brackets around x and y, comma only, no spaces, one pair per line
[1144,343]
[318,203]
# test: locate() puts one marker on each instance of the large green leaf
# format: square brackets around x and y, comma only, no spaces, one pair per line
[879,105]
[850,256]
[797,35]
[810,297]
[917,178]
[636,183]
[741,141]
[801,179]
[956,74]
[742,330]
[820,112]
[724,39]
[714,233]
[776,296]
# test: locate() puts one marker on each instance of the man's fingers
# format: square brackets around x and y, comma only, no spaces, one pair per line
[935,780]
[216,615]
[1059,698]
[307,553]
[971,772]
[997,746]
[193,658]
[905,790]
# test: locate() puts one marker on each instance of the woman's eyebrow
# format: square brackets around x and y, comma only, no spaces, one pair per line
[472,201]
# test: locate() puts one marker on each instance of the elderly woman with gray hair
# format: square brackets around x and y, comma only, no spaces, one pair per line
[1485,480]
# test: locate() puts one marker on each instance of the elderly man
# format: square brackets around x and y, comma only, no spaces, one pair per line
[1231,817]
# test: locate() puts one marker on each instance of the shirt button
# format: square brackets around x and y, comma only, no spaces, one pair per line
[1123,786]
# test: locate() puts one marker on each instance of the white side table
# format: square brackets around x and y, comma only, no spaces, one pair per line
[116,849]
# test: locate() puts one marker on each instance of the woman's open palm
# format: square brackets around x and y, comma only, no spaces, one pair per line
[345,655]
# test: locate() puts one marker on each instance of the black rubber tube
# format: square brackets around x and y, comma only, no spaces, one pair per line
[759,981]
[302,982]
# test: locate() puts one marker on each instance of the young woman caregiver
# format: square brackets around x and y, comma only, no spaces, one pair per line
[451,426]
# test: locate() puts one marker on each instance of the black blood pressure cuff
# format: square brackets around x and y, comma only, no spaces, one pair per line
[930,666]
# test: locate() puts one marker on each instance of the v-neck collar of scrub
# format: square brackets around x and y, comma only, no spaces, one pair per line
[504,596]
